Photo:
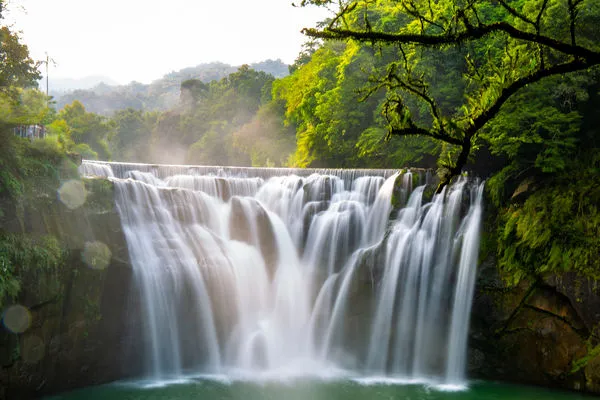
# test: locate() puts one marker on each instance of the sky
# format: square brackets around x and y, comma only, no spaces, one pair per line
[142,40]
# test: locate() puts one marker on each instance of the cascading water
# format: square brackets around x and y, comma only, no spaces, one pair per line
[266,272]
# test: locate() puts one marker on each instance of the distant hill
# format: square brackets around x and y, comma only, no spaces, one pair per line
[162,94]
[61,85]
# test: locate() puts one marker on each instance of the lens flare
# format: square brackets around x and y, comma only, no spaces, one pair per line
[17,318]
[72,194]
[96,255]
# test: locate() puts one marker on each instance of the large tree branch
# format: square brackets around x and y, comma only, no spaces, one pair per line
[418,131]
[465,27]
[420,90]
[471,131]
[472,33]
[487,115]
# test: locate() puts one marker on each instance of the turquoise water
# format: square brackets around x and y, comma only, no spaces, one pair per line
[314,390]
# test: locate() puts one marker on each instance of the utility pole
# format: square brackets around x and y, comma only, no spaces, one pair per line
[47,62]
[47,86]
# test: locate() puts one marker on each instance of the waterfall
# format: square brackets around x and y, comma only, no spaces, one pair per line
[293,272]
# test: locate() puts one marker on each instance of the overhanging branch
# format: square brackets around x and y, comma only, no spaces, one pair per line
[465,27]
[473,33]
[484,117]
[418,131]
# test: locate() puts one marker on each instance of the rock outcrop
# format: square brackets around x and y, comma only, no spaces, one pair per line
[82,321]
[541,333]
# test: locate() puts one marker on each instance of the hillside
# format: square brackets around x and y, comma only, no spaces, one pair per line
[160,95]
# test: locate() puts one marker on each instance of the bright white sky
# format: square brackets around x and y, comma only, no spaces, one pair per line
[144,39]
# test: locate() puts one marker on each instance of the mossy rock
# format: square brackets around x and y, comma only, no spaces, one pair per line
[592,374]
[100,194]
[428,193]
[399,197]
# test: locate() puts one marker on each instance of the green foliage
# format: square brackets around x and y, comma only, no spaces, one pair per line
[161,94]
[593,352]
[88,128]
[538,129]
[17,69]
[583,362]
[132,133]
[549,191]
[214,118]
[24,254]
[86,151]
[50,144]
[557,229]
[23,107]
[336,126]
[266,138]
[31,171]
[456,66]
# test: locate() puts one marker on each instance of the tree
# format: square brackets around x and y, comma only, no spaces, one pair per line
[87,128]
[266,138]
[192,90]
[213,112]
[132,134]
[17,69]
[504,47]
[334,128]
[17,72]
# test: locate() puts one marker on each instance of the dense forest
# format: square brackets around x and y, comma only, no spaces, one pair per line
[506,90]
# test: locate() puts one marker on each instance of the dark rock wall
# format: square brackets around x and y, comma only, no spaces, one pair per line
[83,321]
[541,333]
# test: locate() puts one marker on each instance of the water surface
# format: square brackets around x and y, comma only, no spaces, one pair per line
[311,389]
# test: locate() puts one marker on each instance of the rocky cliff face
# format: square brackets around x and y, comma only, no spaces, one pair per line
[542,333]
[82,321]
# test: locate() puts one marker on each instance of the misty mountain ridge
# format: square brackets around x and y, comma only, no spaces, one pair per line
[105,97]
[62,85]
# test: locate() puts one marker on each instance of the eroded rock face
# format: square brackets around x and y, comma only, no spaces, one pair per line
[583,294]
[533,333]
[83,321]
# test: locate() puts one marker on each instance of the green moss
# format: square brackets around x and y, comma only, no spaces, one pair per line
[555,230]
[416,179]
[428,193]
[397,193]
[24,255]
[581,363]
[31,171]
